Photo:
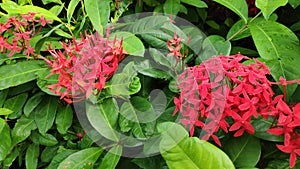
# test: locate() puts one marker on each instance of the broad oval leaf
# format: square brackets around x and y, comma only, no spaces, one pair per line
[279,47]
[171,7]
[5,145]
[196,3]
[111,158]
[22,129]
[31,156]
[103,117]
[239,7]
[244,151]
[16,104]
[267,7]
[64,119]
[59,157]
[46,140]
[5,111]
[32,102]
[190,152]
[44,114]
[98,12]
[48,154]
[82,159]
[235,32]
[19,73]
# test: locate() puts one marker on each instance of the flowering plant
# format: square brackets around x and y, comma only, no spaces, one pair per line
[149,84]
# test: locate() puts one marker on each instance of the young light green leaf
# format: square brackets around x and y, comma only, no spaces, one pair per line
[279,47]
[196,3]
[22,129]
[112,158]
[172,7]
[82,159]
[45,2]
[16,104]
[244,151]
[63,34]
[5,111]
[56,10]
[5,145]
[181,151]
[267,7]
[239,7]
[31,156]
[64,119]
[294,3]
[44,114]
[19,73]
[71,8]
[98,12]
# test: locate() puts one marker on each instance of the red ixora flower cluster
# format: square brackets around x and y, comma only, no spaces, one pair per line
[85,66]
[223,93]
[16,32]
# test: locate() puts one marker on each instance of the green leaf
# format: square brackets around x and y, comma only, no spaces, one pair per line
[5,145]
[236,33]
[161,58]
[5,111]
[3,95]
[244,151]
[219,44]
[103,117]
[150,162]
[48,154]
[43,82]
[131,44]
[279,47]
[56,10]
[112,158]
[181,151]
[59,157]
[16,104]
[11,157]
[45,2]
[71,8]
[64,119]
[261,125]
[19,73]
[171,7]
[196,3]
[63,34]
[32,102]
[294,3]
[31,156]
[98,12]
[82,159]
[22,129]
[46,140]
[267,7]
[239,7]
[243,51]
[44,114]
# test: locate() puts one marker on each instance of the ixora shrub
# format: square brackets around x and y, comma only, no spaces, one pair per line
[118,84]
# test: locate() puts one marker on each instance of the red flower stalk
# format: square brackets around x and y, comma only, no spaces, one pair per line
[16,32]
[85,66]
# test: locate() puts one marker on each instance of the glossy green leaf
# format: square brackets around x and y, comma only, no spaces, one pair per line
[244,51]
[56,10]
[244,151]
[261,125]
[171,7]
[161,58]
[71,8]
[219,44]
[11,157]
[235,32]
[82,159]
[44,114]
[239,7]
[32,102]
[267,7]
[111,158]
[98,12]
[16,104]
[131,44]
[59,157]
[196,3]
[5,145]
[45,2]
[64,119]
[279,47]
[5,111]
[48,153]
[22,129]
[31,156]
[63,34]
[5,59]
[3,95]
[43,81]
[181,151]
[46,140]
[294,3]
[19,73]
[103,117]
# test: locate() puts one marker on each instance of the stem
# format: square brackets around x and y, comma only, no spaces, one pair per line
[244,27]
